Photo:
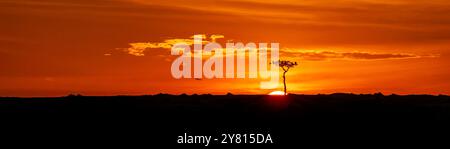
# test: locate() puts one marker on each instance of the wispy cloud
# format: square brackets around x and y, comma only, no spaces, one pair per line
[139,48]
[314,55]
[404,14]
[214,37]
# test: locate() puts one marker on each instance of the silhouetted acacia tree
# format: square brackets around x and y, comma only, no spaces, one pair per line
[285,65]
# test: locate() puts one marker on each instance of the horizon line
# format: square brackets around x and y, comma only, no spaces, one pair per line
[228,94]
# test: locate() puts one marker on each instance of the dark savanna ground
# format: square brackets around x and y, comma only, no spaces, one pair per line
[344,120]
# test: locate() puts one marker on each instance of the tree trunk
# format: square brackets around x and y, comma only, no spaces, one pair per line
[284,82]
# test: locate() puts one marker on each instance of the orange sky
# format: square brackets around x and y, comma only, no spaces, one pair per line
[57,47]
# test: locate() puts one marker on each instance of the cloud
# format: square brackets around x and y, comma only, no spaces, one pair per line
[214,37]
[403,14]
[138,48]
[313,55]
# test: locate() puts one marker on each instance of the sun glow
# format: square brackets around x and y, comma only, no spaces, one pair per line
[278,93]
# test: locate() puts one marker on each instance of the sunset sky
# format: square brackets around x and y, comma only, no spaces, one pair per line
[58,47]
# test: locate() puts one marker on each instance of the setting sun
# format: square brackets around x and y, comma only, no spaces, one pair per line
[276,93]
